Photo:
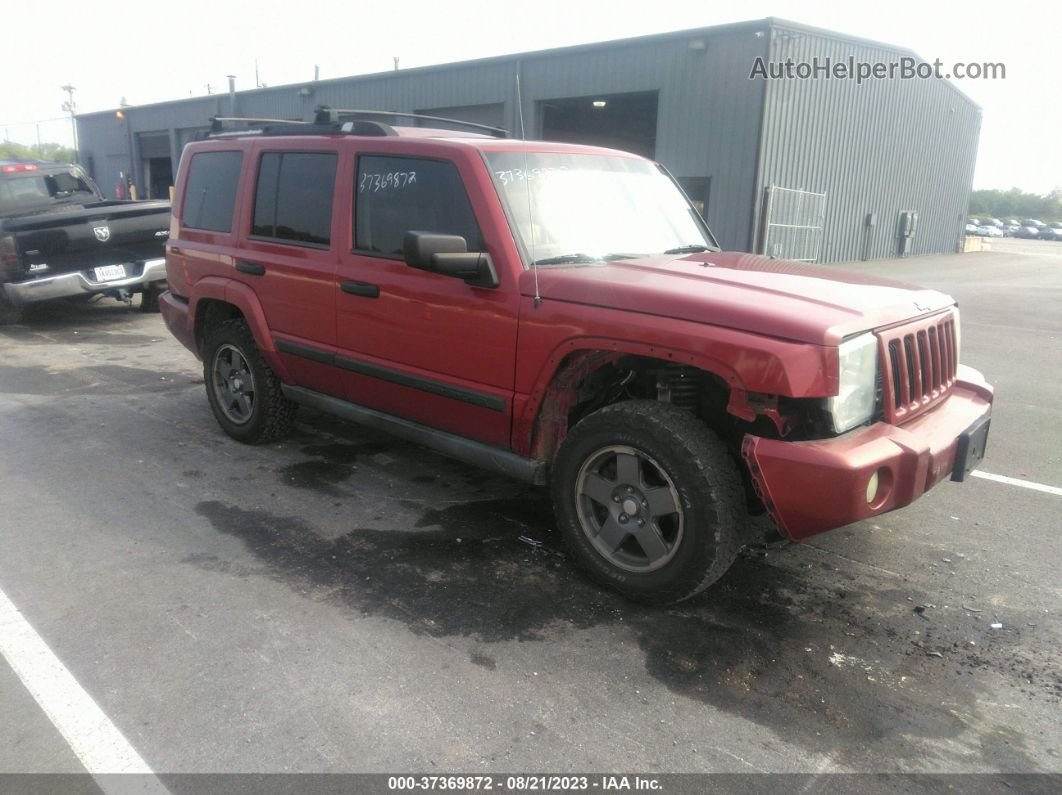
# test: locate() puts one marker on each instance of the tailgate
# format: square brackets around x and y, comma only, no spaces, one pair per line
[107,233]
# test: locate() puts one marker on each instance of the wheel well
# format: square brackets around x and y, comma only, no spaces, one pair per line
[209,312]
[590,380]
[587,381]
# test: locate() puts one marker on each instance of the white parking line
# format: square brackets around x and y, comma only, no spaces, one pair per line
[1025,484]
[98,743]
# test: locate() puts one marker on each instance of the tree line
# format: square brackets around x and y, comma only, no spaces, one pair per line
[1016,203]
[9,150]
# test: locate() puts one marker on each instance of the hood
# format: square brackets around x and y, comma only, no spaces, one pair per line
[790,300]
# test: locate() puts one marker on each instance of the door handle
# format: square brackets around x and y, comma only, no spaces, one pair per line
[251,268]
[361,288]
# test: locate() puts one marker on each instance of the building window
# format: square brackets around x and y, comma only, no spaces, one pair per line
[210,194]
[293,199]
[395,195]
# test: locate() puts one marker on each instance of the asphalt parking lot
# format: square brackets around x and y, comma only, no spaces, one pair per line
[345,602]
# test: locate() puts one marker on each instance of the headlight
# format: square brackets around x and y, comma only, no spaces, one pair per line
[854,403]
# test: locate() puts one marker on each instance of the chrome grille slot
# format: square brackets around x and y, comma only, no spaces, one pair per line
[920,365]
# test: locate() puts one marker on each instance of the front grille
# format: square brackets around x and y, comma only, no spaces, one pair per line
[920,362]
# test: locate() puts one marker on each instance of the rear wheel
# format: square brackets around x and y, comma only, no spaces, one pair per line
[243,390]
[9,313]
[649,501]
[149,298]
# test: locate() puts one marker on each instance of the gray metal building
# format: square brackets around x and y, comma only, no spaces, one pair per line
[822,168]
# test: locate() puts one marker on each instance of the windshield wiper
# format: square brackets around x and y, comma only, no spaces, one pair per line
[695,248]
[567,259]
[578,259]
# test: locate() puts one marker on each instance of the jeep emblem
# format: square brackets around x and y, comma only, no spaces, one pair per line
[103,233]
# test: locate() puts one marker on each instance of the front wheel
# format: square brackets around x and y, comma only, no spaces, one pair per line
[649,501]
[243,390]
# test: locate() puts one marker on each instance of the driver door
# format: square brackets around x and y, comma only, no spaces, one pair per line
[420,345]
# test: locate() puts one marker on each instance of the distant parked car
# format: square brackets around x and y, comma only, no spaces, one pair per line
[1033,223]
[1027,233]
[971,229]
[1010,229]
[993,222]
[1051,233]
[989,231]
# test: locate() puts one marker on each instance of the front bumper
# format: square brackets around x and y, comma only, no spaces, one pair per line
[83,282]
[811,487]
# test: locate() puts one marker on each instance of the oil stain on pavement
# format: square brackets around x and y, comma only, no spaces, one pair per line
[769,641]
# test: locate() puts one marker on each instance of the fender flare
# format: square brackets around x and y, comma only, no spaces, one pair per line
[243,298]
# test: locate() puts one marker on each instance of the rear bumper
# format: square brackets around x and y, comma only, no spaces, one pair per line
[176,315]
[64,285]
[811,487]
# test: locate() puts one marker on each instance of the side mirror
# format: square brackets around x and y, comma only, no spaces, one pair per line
[448,255]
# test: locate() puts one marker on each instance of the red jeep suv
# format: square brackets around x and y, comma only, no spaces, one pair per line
[561,314]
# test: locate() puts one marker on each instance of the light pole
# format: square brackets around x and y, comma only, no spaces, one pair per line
[71,107]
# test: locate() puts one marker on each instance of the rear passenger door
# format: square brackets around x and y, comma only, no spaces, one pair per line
[421,345]
[289,258]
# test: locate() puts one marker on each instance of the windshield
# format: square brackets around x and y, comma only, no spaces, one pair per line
[570,208]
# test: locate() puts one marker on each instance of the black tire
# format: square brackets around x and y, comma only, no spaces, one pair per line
[149,298]
[615,481]
[9,313]
[243,390]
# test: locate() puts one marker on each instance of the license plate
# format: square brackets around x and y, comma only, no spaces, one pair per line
[971,449]
[107,273]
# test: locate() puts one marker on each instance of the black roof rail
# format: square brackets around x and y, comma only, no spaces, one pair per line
[241,126]
[218,123]
[328,115]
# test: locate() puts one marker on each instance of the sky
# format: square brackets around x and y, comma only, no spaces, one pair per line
[111,50]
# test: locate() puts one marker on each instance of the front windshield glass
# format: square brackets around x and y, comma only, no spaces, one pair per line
[571,208]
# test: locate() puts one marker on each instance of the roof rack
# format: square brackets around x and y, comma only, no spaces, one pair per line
[221,126]
[328,115]
[216,122]
[331,121]
[233,126]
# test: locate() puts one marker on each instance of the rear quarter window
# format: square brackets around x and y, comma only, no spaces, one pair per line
[18,192]
[210,192]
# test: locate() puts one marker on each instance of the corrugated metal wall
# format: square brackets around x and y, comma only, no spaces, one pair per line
[708,120]
[708,111]
[884,147]
[110,146]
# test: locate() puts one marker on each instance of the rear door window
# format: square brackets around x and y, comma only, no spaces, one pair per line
[210,194]
[293,197]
